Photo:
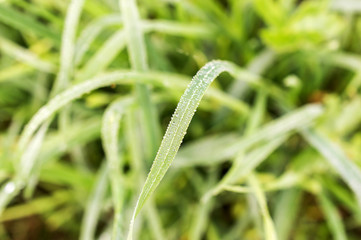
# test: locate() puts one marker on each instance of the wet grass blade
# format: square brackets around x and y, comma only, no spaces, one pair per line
[119,77]
[177,128]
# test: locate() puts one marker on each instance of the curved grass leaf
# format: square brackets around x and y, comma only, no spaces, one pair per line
[157,78]
[28,153]
[177,128]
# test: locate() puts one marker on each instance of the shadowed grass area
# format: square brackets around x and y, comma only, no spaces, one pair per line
[268,150]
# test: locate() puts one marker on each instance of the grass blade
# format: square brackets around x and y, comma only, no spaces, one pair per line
[177,29]
[244,165]
[94,206]
[228,146]
[68,46]
[138,59]
[285,219]
[333,218]
[127,77]
[177,128]
[88,35]
[269,229]
[349,172]
[26,24]
[104,55]
[110,130]
[25,56]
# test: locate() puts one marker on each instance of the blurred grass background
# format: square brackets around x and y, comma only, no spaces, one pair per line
[259,161]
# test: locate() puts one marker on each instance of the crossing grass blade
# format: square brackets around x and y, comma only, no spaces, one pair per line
[118,77]
[349,172]
[104,56]
[88,35]
[25,56]
[194,153]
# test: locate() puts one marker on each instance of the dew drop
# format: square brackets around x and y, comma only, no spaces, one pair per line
[9,187]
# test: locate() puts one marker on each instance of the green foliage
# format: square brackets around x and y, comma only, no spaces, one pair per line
[271,147]
[310,26]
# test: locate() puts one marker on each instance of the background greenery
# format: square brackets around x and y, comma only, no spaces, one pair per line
[87,89]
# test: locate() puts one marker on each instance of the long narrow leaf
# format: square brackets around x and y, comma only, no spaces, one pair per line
[94,206]
[270,232]
[349,171]
[110,133]
[26,23]
[177,128]
[139,62]
[59,101]
[227,146]
[333,218]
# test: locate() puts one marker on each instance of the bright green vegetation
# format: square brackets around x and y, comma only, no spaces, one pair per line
[270,121]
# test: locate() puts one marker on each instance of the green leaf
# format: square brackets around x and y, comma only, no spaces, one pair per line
[94,205]
[349,171]
[222,148]
[26,23]
[333,217]
[178,126]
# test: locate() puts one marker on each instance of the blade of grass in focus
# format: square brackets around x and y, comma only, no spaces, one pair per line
[302,75]
[177,129]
